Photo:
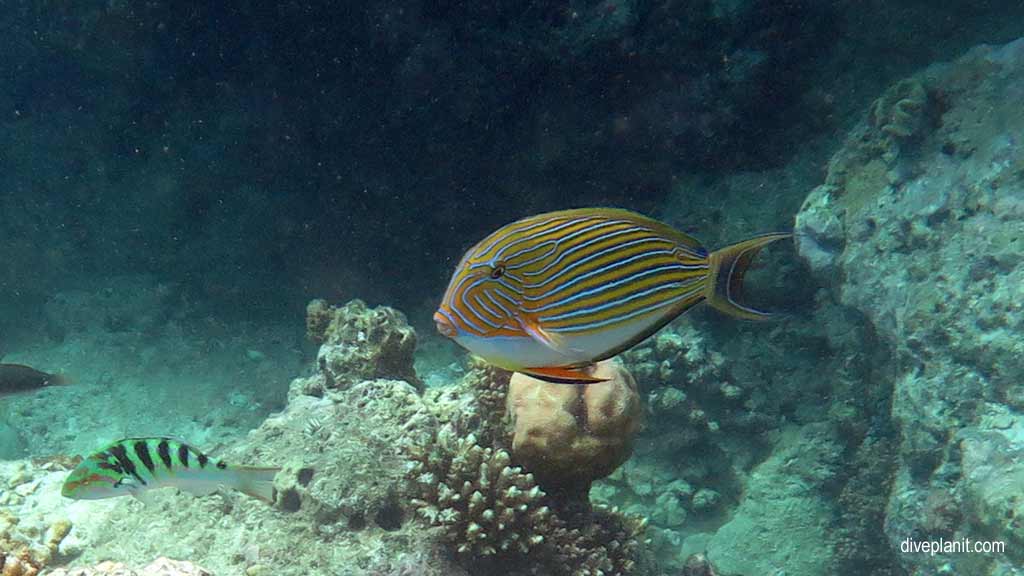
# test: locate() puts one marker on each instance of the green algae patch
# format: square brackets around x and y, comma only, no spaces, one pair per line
[863,186]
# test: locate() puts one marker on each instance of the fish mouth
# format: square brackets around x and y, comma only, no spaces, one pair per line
[444,324]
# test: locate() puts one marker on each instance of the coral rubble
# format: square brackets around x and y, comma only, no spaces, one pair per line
[159,567]
[359,343]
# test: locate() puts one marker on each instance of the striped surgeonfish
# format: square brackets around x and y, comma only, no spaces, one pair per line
[135,465]
[551,294]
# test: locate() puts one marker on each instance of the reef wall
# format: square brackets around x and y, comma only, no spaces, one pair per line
[918,227]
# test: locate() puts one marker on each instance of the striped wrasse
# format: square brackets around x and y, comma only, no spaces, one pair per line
[552,294]
[135,465]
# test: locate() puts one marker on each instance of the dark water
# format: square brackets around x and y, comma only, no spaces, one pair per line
[178,180]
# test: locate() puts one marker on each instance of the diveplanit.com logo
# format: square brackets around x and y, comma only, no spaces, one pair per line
[959,546]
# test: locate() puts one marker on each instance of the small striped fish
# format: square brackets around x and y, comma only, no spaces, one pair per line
[551,294]
[135,465]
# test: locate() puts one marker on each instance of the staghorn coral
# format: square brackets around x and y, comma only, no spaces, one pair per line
[490,511]
[569,436]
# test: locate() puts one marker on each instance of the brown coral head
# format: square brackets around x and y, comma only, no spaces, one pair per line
[569,436]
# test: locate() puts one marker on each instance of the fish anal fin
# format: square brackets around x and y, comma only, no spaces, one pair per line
[146,497]
[203,489]
[563,375]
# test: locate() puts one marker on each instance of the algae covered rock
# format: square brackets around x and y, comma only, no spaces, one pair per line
[569,436]
[782,524]
[993,477]
[361,343]
[917,228]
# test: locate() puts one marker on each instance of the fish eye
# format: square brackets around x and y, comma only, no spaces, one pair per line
[498,271]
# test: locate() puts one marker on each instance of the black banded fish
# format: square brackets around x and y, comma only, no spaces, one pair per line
[134,465]
[551,294]
[16,378]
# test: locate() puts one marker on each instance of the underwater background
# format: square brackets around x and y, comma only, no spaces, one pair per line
[230,224]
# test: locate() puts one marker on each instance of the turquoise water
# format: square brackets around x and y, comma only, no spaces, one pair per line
[231,225]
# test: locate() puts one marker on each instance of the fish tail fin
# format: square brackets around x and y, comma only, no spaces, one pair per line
[256,482]
[727,267]
[60,379]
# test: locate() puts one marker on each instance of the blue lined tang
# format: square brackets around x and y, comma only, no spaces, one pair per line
[551,294]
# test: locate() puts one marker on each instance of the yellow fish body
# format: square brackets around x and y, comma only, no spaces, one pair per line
[551,294]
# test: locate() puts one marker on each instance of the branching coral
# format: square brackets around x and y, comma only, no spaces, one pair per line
[489,385]
[601,542]
[485,506]
[489,510]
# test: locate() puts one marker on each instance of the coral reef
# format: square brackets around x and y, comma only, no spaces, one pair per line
[379,477]
[722,400]
[359,343]
[569,436]
[925,247]
[698,565]
[18,564]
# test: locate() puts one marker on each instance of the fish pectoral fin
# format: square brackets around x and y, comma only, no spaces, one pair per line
[556,342]
[562,375]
